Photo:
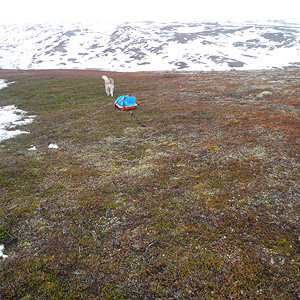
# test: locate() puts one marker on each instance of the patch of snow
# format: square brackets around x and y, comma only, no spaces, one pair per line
[265,93]
[33,148]
[53,146]
[1,252]
[10,117]
[4,83]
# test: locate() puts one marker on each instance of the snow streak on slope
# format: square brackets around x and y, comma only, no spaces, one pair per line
[149,46]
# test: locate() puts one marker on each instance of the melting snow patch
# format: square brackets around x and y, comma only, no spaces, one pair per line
[53,146]
[4,84]
[10,116]
[265,93]
[33,148]
[1,252]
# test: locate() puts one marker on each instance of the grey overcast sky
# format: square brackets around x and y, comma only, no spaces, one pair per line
[24,11]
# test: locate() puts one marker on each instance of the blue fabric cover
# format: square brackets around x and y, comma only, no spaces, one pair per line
[126,100]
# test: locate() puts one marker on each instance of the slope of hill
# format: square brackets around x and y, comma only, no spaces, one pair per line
[201,203]
[148,46]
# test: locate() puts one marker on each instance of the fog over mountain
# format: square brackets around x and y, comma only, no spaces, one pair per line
[151,46]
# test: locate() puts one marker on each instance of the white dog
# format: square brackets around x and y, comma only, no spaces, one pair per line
[109,85]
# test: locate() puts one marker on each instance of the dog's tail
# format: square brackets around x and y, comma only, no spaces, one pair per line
[107,80]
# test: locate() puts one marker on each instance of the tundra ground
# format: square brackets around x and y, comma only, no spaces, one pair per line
[202,202]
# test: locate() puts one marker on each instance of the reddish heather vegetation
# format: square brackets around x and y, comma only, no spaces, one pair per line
[202,202]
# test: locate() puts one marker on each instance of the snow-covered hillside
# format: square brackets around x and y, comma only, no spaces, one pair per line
[149,46]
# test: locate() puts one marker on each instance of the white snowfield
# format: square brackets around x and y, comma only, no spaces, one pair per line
[150,46]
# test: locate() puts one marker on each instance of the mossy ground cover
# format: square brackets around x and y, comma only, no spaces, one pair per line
[200,203]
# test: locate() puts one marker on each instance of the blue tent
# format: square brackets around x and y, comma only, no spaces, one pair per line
[126,102]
